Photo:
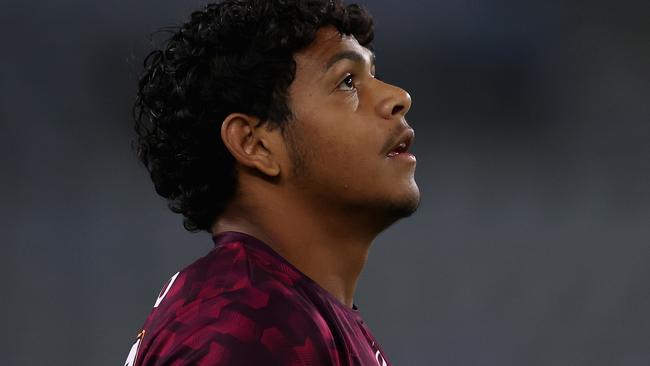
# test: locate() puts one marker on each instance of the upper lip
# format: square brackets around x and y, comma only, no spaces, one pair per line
[404,141]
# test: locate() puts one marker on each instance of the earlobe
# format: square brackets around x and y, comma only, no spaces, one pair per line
[250,143]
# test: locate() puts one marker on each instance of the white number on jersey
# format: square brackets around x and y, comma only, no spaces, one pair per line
[162,294]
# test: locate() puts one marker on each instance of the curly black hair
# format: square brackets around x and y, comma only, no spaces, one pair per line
[232,56]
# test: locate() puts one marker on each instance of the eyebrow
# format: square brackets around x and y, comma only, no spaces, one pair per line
[349,55]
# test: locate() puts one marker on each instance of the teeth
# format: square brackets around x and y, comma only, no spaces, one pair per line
[399,149]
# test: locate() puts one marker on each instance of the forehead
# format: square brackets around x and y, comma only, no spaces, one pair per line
[328,43]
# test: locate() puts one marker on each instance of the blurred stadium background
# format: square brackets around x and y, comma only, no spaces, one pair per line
[531,246]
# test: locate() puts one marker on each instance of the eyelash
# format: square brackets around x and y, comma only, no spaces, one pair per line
[351,78]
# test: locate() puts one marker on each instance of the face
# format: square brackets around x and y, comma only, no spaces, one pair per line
[345,127]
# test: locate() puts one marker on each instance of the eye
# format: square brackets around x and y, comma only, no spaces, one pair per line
[347,83]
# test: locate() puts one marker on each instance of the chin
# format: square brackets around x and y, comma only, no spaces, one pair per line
[405,205]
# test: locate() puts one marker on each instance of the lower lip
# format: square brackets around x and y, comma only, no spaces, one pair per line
[404,156]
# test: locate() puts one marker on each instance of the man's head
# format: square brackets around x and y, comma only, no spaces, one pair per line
[280,92]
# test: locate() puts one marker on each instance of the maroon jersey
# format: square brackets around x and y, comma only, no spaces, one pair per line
[244,304]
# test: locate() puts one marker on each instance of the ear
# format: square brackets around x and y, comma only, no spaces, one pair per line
[252,145]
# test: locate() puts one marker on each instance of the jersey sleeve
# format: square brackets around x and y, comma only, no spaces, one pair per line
[239,330]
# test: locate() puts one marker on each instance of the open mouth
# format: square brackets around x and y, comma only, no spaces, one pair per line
[401,148]
[403,144]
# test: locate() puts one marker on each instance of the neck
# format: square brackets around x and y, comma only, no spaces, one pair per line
[329,248]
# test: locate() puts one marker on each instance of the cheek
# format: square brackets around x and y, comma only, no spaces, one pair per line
[347,159]
[341,146]
[337,140]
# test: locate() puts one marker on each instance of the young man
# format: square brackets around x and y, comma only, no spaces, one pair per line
[263,123]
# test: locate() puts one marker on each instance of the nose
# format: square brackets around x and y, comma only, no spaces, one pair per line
[394,101]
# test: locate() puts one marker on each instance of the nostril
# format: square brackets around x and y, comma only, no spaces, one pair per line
[396,109]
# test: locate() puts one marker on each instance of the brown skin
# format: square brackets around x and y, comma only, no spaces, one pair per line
[320,192]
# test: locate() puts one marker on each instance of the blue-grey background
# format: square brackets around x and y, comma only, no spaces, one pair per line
[533,132]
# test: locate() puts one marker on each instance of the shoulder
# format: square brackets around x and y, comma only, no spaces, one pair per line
[244,327]
[225,310]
